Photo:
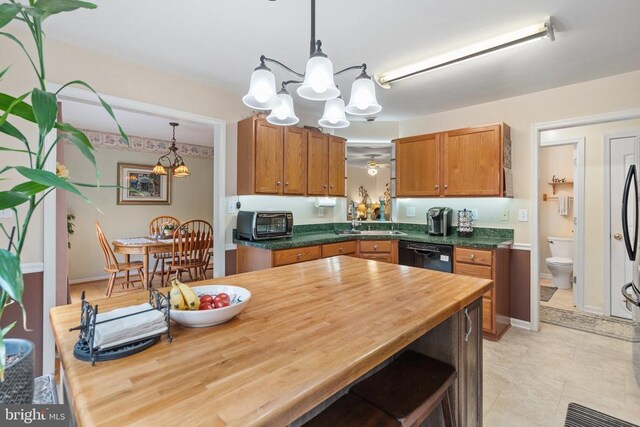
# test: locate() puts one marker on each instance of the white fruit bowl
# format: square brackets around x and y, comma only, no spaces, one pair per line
[204,318]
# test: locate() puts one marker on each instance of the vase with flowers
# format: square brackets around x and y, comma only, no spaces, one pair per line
[168,228]
[26,182]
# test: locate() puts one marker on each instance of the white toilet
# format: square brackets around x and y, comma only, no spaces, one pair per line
[560,263]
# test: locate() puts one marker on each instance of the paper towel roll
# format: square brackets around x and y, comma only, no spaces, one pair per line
[325,202]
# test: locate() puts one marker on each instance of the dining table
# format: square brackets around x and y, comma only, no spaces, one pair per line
[143,246]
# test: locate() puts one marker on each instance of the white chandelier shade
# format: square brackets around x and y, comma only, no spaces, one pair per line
[334,116]
[318,82]
[262,90]
[372,171]
[283,115]
[363,100]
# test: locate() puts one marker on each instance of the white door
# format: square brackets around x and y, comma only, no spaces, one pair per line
[623,155]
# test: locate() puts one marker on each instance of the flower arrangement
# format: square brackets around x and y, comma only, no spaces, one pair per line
[169,227]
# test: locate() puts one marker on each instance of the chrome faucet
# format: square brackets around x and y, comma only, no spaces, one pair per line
[353,208]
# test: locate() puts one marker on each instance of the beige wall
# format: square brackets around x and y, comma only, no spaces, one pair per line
[610,94]
[191,198]
[594,244]
[115,77]
[556,161]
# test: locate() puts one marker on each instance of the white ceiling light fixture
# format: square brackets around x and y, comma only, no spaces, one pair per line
[372,166]
[317,84]
[524,35]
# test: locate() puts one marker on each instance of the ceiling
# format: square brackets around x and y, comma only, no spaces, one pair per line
[359,154]
[219,42]
[94,117]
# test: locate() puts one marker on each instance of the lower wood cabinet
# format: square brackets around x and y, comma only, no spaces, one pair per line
[249,258]
[493,265]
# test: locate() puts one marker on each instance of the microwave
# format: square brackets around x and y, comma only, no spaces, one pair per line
[264,225]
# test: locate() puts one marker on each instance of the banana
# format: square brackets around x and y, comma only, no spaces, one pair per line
[176,299]
[190,297]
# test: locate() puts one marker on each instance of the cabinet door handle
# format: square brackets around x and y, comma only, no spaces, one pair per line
[299,254]
[340,250]
[472,256]
[375,247]
[436,186]
[286,183]
[324,186]
[446,186]
[469,325]
[278,183]
[331,186]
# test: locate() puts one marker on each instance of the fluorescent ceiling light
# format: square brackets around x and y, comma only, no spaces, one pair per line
[530,33]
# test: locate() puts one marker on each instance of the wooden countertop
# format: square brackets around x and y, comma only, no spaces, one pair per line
[309,330]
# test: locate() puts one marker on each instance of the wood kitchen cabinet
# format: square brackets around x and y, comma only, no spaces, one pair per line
[271,159]
[467,162]
[418,166]
[336,166]
[249,258]
[318,164]
[493,265]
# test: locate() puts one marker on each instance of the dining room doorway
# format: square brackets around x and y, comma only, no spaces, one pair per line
[199,138]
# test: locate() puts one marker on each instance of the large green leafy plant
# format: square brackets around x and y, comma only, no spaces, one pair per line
[39,107]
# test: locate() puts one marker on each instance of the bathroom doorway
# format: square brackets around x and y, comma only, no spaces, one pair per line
[561,222]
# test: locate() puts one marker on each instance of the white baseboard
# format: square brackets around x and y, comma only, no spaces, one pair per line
[546,276]
[32,267]
[522,324]
[593,310]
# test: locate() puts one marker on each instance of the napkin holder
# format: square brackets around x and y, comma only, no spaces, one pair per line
[84,348]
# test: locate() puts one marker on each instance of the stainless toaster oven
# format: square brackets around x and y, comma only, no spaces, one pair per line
[263,225]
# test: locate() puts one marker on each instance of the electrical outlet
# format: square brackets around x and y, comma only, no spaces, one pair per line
[231,205]
[474,214]
[6,213]
[523,215]
[411,211]
[505,215]
[320,211]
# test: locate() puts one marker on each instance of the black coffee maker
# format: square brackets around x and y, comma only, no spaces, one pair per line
[439,221]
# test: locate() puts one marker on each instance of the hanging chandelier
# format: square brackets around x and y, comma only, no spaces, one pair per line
[317,84]
[177,166]
[372,166]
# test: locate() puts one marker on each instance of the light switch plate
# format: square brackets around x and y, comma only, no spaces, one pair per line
[231,205]
[523,215]
[474,214]
[6,213]
[505,215]
[411,211]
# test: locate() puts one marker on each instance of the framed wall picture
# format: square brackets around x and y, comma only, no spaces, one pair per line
[139,186]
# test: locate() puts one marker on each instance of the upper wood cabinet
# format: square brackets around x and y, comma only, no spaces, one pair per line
[418,166]
[466,162]
[336,166]
[295,161]
[268,158]
[318,164]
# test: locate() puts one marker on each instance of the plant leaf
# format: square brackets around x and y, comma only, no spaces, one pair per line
[80,140]
[51,7]
[8,129]
[21,109]
[11,106]
[9,199]
[106,106]
[7,13]
[45,109]
[11,276]
[15,150]
[48,178]
[30,188]
[19,43]
[3,72]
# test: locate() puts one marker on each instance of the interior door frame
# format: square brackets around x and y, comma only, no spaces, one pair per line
[606,274]
[49,205]
[579,210]
[536,130]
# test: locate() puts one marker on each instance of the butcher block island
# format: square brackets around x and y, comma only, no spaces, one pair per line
[309,332]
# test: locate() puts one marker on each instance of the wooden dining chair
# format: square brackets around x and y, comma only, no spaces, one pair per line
[155,227]
[113,267]
[191,244]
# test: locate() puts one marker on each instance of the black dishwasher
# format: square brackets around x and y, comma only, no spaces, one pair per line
[426,255]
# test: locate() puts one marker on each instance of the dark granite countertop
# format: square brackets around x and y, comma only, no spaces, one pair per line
[319,234]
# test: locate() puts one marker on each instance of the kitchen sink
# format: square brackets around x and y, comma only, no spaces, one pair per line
[372,232]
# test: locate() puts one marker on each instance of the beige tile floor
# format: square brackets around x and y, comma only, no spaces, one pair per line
[531,377]
[563,298]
